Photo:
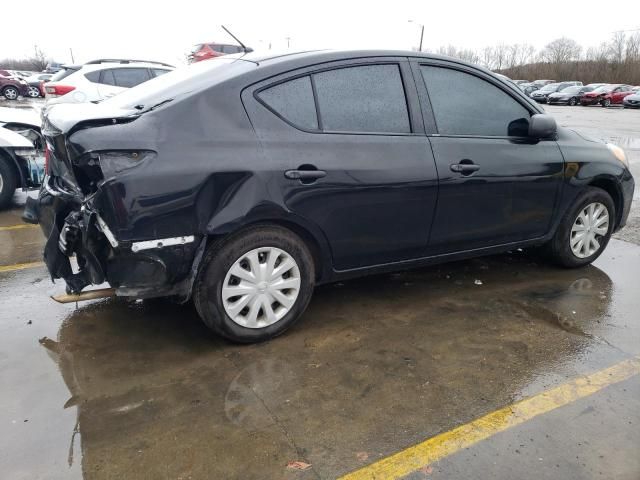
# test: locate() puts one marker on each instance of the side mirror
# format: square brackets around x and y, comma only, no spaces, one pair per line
[542,125]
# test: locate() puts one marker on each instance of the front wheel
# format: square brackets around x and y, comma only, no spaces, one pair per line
[573,102]
[606,102]
[10,93]
[584,230]
[256,285]
[33,92]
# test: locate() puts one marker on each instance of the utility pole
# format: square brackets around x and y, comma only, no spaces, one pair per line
[71,52]
[287,39]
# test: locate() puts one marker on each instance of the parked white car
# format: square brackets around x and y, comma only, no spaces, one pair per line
[21,152]
[100,79]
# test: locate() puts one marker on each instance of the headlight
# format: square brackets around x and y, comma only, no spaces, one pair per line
[618,153]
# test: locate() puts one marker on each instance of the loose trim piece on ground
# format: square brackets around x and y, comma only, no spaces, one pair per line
[436,448]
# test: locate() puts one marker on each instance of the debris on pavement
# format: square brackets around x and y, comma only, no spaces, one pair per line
[362,456]
[298,465]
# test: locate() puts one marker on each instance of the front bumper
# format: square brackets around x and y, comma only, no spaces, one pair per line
[540,99]
[628,186]
[631,103]
[557,101]
[590,101]
[142,269]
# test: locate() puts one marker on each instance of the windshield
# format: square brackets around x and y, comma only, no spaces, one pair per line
[571,90]
[549,88]
[180,81]
[65,72]
[604,89]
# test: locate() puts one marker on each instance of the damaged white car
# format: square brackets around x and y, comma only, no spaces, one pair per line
[21,152]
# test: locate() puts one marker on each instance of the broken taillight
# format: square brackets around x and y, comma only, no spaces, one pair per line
[58,90]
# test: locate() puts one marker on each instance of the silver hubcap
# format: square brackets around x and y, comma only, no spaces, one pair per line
[33,92]
[261,287]
[1,183]
[10,93]
[588,229]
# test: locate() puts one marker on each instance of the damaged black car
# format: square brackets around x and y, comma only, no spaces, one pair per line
[242,182]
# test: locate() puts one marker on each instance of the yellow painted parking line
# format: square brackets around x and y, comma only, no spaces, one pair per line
[19,266]
[18,227]
[436,448]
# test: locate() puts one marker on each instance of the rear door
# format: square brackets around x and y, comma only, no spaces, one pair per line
[349,139]
[496,185]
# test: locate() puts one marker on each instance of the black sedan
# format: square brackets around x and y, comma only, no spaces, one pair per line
[243,182]
[34,82]
[568,96]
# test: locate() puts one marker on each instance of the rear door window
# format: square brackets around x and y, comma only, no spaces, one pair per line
[367,98]
[464,104]
[159,71]
[107,78]
[130,77]
[293,101]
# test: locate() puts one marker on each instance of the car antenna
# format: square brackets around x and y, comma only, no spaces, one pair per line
[244,47]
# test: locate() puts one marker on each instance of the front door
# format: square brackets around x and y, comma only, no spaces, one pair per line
[496,185]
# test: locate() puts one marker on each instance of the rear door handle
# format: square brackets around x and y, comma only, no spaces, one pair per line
[305,175]
[464,168]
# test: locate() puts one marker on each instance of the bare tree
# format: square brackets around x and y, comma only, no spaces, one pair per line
[632,52]
[487,57]
[500,53]
[617,47]
[561,50]
[39,59]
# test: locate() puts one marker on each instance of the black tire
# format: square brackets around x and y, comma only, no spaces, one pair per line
[573,101]
[559,247]
[606,103]
[220,257]
[10,93]
[33,92]
[8,182]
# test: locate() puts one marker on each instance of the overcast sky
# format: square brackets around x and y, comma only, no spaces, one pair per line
[166,30]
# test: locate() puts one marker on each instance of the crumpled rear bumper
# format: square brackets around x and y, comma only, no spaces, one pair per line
[73,228]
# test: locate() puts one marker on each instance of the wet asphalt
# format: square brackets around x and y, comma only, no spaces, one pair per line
[119,389]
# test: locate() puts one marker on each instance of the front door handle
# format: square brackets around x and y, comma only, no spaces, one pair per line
[305,175]
[464,168]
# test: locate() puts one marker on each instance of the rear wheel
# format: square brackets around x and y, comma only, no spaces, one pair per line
[8,182]
[584,230]
[10,93]
[256,285]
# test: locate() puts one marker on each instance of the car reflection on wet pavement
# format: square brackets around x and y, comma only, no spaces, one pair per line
[377,364]
[119,389]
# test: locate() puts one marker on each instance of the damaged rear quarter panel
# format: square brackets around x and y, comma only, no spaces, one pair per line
[204,145]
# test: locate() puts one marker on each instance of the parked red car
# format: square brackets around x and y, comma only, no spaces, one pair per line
[607,95]
[205,51]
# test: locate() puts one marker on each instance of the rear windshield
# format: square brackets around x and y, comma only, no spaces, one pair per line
[64,73]
[181,81]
